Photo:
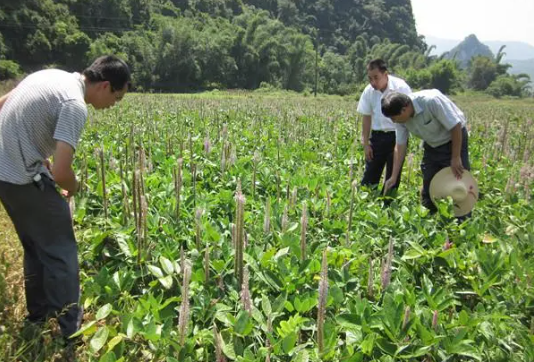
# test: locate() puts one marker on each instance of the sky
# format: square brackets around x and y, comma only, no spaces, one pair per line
[511,20]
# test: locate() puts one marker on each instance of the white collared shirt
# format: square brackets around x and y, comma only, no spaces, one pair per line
[369,103]
[435,116]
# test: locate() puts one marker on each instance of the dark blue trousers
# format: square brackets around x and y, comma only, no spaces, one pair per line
[41,217]
[383,146]
[437,158]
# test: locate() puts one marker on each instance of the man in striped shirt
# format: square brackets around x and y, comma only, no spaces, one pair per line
[43,117]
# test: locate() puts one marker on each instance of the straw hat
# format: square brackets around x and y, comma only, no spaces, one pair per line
[464,192]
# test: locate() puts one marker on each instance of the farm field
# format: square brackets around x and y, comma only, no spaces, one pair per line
[231,227]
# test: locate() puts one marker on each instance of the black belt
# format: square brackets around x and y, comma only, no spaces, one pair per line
[380,131]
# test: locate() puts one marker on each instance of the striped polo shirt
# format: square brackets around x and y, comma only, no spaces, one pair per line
[47,106]
[434,117]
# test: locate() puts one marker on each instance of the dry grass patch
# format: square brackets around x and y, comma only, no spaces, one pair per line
[12,301]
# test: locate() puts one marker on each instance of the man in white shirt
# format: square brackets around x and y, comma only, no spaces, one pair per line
[433,117]
[378,131]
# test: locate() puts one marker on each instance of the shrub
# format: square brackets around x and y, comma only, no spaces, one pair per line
[506,85]
[9,70]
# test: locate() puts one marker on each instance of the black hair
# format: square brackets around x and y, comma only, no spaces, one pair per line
[377,64]
[393,103]
[109,68]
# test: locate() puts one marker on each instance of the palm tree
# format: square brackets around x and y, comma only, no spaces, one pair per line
[524,80]
[501,68]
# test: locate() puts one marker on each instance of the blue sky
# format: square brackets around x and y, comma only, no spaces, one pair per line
[511,20]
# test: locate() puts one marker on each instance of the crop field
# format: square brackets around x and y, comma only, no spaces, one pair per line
[232,227]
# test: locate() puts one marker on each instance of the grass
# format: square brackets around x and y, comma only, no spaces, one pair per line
[12,301]
[11,276]
[7,85]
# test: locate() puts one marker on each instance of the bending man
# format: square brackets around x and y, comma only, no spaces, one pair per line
[44,116]
[431,116]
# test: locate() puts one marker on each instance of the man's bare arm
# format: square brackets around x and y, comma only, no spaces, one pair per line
[398,159]
[366,132]
[62,168]
[456,148]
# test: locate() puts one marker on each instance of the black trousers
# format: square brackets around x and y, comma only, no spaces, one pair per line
[383,146]
[437,158]
[51,276]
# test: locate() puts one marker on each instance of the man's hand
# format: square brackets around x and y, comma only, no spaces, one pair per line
[68,194]
[366,133]
[388,185]
[457,167]
[48,165]
[368,150]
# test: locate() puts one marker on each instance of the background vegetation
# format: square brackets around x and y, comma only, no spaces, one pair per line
[192,45]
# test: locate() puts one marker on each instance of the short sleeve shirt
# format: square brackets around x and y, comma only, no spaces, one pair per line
[46,107]
[370,103]
[434,118]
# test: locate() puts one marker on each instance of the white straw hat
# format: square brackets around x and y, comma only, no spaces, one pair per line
[464,191]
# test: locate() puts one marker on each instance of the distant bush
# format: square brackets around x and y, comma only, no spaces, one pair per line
[417,79]
[445,76]
[9,70]
[506,85]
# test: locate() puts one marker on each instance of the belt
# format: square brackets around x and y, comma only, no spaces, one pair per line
[382,131]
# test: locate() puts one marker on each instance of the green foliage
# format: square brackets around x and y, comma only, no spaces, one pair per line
[9,70]
[192,45]
[142,58]
[471,301]
[445,75]
[335,74]
[203,44]
[418,79]
[452,304]
[3,48]
[43,32]
[482,71]
[509,85]
[502,68]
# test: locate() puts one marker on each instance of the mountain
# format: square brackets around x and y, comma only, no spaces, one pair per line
[519,54]
[467,49]
[514,49]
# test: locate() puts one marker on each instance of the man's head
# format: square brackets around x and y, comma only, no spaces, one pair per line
[397,106]
[107,80]
[377,73]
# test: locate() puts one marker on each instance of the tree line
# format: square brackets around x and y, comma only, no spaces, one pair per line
[192,45]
